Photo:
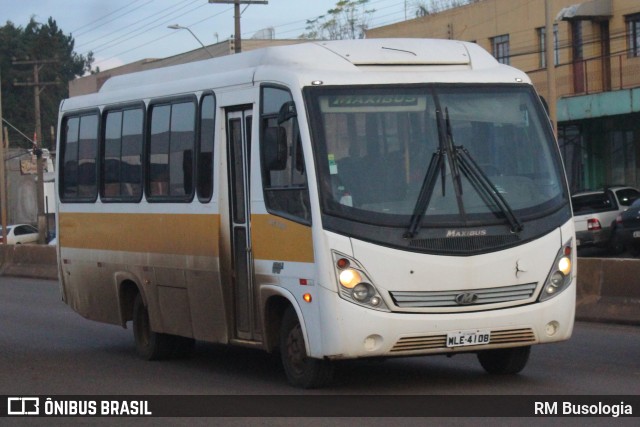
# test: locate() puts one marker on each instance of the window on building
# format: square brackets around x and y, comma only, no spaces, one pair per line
[171,150]
[542,43]
[79,154]
[205,148]
[283,169]
[121,178]
[501,48]
[633,31]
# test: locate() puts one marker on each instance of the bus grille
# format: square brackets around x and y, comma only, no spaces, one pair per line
[464,245]
[436,342]
[453,298]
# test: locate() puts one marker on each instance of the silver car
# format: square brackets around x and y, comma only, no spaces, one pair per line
[595,213]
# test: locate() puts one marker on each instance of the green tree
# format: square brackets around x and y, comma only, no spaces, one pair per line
[347,20]
[36,41]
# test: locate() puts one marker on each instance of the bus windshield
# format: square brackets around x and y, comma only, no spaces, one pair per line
[374,147]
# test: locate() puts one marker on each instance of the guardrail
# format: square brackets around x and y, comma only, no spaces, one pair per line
[608,289]
[35,261]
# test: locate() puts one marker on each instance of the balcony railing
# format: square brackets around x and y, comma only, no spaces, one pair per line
[593,75]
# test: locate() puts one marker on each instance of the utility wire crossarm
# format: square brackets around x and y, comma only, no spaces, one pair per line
[237,3]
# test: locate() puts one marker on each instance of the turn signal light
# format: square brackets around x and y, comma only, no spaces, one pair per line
[343,263]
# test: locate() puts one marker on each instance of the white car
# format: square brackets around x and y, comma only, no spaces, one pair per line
[20,233]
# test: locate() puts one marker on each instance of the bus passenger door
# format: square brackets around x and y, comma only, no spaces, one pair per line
[238,148]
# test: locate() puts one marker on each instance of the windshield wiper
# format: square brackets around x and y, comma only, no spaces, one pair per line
[446,148]
[459,159]
[460,156]
[452,155]
[426,191]
[484,186]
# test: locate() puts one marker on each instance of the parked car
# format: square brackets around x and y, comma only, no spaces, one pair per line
[595,214]
[628,228]
[20,233]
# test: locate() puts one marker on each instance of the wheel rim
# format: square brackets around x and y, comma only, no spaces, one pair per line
[296,352]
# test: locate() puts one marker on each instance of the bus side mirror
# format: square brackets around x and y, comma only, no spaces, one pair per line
[287,111]
[274,152]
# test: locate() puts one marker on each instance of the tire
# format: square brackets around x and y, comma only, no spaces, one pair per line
[149,345]
[507,361]
[616,246]
[301,370]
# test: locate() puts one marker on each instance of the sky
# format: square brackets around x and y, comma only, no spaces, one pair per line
[123,31]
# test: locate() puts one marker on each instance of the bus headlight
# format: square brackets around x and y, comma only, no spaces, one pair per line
[355,285]
[560,275]
[350,278]
[362,292]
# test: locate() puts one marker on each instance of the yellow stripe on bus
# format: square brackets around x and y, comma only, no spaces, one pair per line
[274,238]
[183,234]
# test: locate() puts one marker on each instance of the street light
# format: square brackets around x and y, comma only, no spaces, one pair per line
[180,27]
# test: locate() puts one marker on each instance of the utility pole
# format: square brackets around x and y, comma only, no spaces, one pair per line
[3,183]
[236,16]
[38,87]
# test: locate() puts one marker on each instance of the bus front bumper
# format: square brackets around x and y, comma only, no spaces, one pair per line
[348,331]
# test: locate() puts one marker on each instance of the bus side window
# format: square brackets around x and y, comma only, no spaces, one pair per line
[205,148]
[80,151]
[283,171]
[121,177]
[171,150]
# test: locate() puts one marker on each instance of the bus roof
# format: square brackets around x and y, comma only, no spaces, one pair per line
[346,61]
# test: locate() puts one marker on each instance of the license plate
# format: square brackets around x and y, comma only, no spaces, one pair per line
[464,338]
[636,234]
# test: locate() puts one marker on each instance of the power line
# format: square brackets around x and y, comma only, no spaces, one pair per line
[517,49]
[159,38]
[128,26]
[110,43]
[79,33]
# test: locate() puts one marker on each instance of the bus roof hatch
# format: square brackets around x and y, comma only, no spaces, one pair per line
[401,52]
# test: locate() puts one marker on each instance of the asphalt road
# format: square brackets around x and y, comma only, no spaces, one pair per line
[47,349]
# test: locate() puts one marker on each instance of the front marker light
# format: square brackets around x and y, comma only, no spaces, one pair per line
[560,275]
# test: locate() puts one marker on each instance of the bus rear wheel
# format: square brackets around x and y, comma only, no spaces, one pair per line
[504,361]
[301,370]
[152,345]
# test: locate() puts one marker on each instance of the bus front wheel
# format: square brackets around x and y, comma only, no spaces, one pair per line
[301,370]
[504,361]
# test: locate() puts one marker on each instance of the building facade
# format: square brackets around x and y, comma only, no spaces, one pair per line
[597,69]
